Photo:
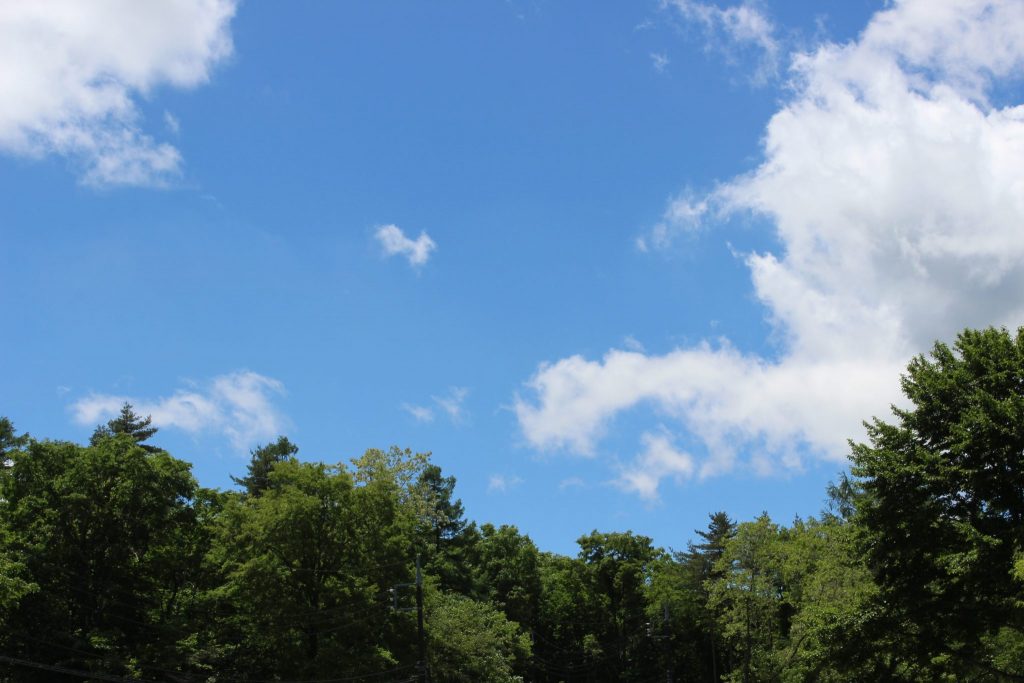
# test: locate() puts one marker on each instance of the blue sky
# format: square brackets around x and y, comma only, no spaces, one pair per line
[617,265]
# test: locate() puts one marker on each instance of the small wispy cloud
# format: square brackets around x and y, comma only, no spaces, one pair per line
[571,483]
[238,405]
[733,29]
[660,61]
[685,214]
[394,241]
[419,413]
[659,460]
[449,404]
[633,344]
[500,483]
[171,122]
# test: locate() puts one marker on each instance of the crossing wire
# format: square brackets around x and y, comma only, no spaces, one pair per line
[122,679]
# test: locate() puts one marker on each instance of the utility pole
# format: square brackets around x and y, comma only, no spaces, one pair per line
[422,668]
[422,664]
[666,636]
[714,656]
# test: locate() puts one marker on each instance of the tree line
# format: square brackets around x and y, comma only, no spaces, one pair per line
[115,565]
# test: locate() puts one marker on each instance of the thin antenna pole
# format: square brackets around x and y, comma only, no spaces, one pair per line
[422,664]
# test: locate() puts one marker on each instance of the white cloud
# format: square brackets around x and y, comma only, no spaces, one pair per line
[738,27]
[237,405]
[500,483]
[896,192]
[449,404]
[633,344]
[172,123]
[419,413]
[726,398]
[571,483]
[394,241]
[685,213]
[659,460]
[70,72]
[660,61]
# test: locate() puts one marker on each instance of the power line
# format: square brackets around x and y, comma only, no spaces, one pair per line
[122,679]
[358,677]
[375,603]
[65,670]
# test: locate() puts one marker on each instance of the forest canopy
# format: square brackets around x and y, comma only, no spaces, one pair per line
[115,564]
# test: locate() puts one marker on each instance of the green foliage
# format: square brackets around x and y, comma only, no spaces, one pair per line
[826,596]
[95,529]
[699,568]
[509,572]
[114,563]
[448,541]
[14,580]
[747,594]
[473,642]
[794,604]
[9,441]
[127,422]
[704,556]
[569,616]
[692,645]
[299,563]
[943,511]
[593,610]
[261,463]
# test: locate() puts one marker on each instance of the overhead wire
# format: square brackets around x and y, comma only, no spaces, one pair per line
[184,674]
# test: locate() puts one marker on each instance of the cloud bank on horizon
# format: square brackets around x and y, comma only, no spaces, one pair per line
[71,73]
[894,181]
[237,405]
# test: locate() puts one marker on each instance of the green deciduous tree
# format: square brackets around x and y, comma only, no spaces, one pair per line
[570,617]
[509,572]
[747,597]
[98,531]
[619,567]
[943,506]
[302,582]
[473,642]
[14,580]
[825,603]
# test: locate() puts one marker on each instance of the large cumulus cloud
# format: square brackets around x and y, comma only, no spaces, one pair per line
[894,180]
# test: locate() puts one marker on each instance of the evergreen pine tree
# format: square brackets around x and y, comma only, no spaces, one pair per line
[701,558]
[127,422]
[705,555]
[261,464]
[9,441]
